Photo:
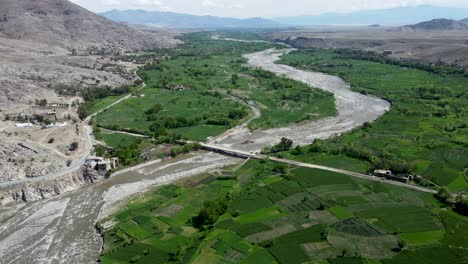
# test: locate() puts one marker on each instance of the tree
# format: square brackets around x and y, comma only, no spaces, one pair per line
[74,146]
[443,195]
[154,110]
[284,145]
[461,204]
[210,213]
[234,79]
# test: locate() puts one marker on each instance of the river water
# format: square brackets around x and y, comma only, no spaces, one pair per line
[61,229]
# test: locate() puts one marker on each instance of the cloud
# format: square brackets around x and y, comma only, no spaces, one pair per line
[209,3]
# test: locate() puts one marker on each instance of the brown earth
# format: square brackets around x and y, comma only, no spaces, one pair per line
[434,46]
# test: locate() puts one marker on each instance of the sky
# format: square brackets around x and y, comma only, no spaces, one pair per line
[258,8]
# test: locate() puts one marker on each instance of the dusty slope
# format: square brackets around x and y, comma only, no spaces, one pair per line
[447,46]
[46,44]
[60,22]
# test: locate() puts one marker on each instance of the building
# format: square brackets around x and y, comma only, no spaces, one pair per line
[387,174]
[58,105]
[383,173]
[102,165]
[178,88]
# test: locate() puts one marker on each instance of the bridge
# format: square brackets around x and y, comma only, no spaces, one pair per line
[246,155]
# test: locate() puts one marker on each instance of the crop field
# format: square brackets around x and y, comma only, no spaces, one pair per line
[289,217]
[201,89]
[425,133]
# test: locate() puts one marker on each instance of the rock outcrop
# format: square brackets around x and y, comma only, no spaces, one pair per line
[28,192]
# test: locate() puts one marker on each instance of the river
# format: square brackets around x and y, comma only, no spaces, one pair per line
[61,229]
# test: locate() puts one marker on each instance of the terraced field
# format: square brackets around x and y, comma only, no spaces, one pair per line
[278,214]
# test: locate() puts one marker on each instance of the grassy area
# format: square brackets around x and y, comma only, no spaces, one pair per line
[187,93]
[130,150]
[277,214]
[425,133]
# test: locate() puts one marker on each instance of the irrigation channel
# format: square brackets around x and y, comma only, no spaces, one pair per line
[62,229]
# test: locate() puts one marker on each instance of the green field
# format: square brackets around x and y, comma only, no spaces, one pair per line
[288,217]
[216,86]
[425,133]
[130,150]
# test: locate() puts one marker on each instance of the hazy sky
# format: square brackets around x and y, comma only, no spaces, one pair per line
[263,8]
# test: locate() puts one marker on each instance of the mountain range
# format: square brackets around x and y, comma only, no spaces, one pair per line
[390,17]
[176,20]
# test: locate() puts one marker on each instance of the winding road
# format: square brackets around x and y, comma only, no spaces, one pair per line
[77,165]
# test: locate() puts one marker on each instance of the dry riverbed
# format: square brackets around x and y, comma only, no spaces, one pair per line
[354,109]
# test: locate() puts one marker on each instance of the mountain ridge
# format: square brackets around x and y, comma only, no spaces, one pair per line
[187,21]
[390,17]
[439,24]
[62,23]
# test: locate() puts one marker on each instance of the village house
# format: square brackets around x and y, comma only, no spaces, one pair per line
[387,174]
[178,88]
[101,165]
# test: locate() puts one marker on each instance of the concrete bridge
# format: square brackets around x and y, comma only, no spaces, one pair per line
[247,155]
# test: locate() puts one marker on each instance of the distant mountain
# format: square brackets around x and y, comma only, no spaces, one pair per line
[392,17]
[464,20]
[62,23]
[440,24]
[176,20]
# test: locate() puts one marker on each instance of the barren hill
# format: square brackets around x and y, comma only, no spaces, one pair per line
[60,22]
[46,45]
[439,24]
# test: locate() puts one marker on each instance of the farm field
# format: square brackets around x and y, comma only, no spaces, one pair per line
[130,150]
[201,89]
[264,212]
[425,133]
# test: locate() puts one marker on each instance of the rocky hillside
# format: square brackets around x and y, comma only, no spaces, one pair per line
[440,24]
[50,44]
[60,22]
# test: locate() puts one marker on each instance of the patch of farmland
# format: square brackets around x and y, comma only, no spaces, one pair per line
[373,247]
[288,248]
[308,178]
[248,202]
[349,260]
[243,230]
[286,187]
[297,219]
[259,216]
[423,238]
[324,217]
[456,227]
[302,202]
[271,234]
[171,210]
[341,212]
[402,219]
[430,255]
[324,189]
[358,227]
